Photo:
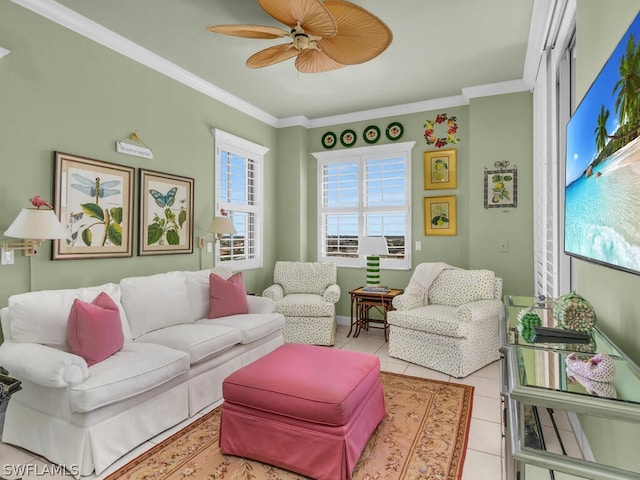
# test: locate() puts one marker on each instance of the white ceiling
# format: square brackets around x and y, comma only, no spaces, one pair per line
[441,49]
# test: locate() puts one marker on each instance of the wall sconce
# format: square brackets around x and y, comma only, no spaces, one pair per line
[221,226]
[373,247]
[34,225]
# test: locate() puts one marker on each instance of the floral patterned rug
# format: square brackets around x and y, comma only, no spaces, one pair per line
[423,436]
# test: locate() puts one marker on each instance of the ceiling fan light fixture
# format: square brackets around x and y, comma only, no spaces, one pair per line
[324,35]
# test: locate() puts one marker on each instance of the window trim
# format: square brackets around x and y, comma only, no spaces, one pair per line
[231,143]
[403,149]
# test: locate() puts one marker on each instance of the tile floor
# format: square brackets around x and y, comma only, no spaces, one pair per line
[483,459]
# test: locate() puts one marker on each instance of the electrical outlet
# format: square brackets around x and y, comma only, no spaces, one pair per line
[6,257]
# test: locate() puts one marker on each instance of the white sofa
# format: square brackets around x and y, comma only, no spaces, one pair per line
[450,323]
[171,366]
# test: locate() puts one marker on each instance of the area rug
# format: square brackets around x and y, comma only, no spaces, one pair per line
[423,436]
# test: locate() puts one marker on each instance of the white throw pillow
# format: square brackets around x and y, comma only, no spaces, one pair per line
[155,301]
[41,317]
[198,289]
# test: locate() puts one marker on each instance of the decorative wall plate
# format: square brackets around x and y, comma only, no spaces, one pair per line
[371,134]
[394,130]
[348,138]
[329,140]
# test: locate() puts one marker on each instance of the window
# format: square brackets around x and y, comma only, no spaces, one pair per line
[365,192]
[238,187]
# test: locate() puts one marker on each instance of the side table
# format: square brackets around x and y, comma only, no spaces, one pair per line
[362,302]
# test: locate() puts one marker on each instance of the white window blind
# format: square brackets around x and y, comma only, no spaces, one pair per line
[238,177]
[365,192]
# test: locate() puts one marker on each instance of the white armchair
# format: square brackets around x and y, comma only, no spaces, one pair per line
[452,325]
[306,294]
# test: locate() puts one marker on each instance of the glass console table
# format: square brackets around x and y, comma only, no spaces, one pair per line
[533,376]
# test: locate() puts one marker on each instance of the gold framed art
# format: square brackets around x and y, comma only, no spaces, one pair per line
[440,171]
[94,201]
[440,215]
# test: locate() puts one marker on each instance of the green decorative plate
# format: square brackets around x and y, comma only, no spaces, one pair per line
[329,140]
[348,138]
[371,134]
[394,131]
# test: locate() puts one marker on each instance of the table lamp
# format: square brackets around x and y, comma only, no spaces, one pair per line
[372,248]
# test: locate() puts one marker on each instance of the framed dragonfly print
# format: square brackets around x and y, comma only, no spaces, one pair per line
[94,201]
[166,214]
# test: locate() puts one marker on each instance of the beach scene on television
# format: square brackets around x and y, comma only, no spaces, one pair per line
[602,194]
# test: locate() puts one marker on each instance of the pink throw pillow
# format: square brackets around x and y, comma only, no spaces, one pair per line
[227,297]
[94,331]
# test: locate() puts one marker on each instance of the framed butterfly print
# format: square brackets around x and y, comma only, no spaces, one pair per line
[94,202]
[166,214]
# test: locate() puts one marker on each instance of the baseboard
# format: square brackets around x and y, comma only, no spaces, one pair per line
[342,320]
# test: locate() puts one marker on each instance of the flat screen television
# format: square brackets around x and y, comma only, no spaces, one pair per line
[602,176]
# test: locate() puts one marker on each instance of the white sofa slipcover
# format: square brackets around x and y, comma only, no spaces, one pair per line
[171,366]
[306,294]
[452,327]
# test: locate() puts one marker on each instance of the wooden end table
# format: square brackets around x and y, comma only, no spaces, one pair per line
[362,302]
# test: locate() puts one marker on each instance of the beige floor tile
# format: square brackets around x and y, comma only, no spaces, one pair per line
[486,408]
[11,455]
[481,466]
[490,371]
[392,367]
[36,469]
[487,387]
[422,372]
[485,437]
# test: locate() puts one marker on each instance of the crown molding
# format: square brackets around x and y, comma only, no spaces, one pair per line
[67,18]
[75,22]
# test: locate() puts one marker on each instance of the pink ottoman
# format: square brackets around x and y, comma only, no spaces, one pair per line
[304,408]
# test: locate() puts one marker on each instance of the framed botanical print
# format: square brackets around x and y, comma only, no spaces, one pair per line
[440,169]
[94,201]
[501,188]
[440,215]
[166,213]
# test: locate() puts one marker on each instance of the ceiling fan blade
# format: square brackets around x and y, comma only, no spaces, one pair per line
[272,55]
[250,31]
[312,15]
[315,61]
[361,35]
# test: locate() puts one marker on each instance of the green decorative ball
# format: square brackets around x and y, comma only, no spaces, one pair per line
[573,312]
[527,319]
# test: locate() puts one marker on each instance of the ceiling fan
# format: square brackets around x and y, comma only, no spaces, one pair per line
[325,35]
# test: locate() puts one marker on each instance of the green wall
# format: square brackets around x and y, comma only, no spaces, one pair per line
[61,91]
[613,294]
[64,92]
[479,229]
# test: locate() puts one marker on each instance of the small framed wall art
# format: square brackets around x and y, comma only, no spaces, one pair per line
[501,188]
[94,201]
[440,169]
[440,215]
[166,214]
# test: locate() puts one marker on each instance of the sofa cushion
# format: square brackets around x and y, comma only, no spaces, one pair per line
[135,369]
[227,297]
[155,301]
[305,305]
[251,326]
[436,319]
[199,341]
[456,286]
[94,330]
[41,317]
[305,277]
[198,289]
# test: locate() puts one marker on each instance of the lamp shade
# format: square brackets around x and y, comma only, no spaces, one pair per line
[372,246]
[36,224]
[221,226]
